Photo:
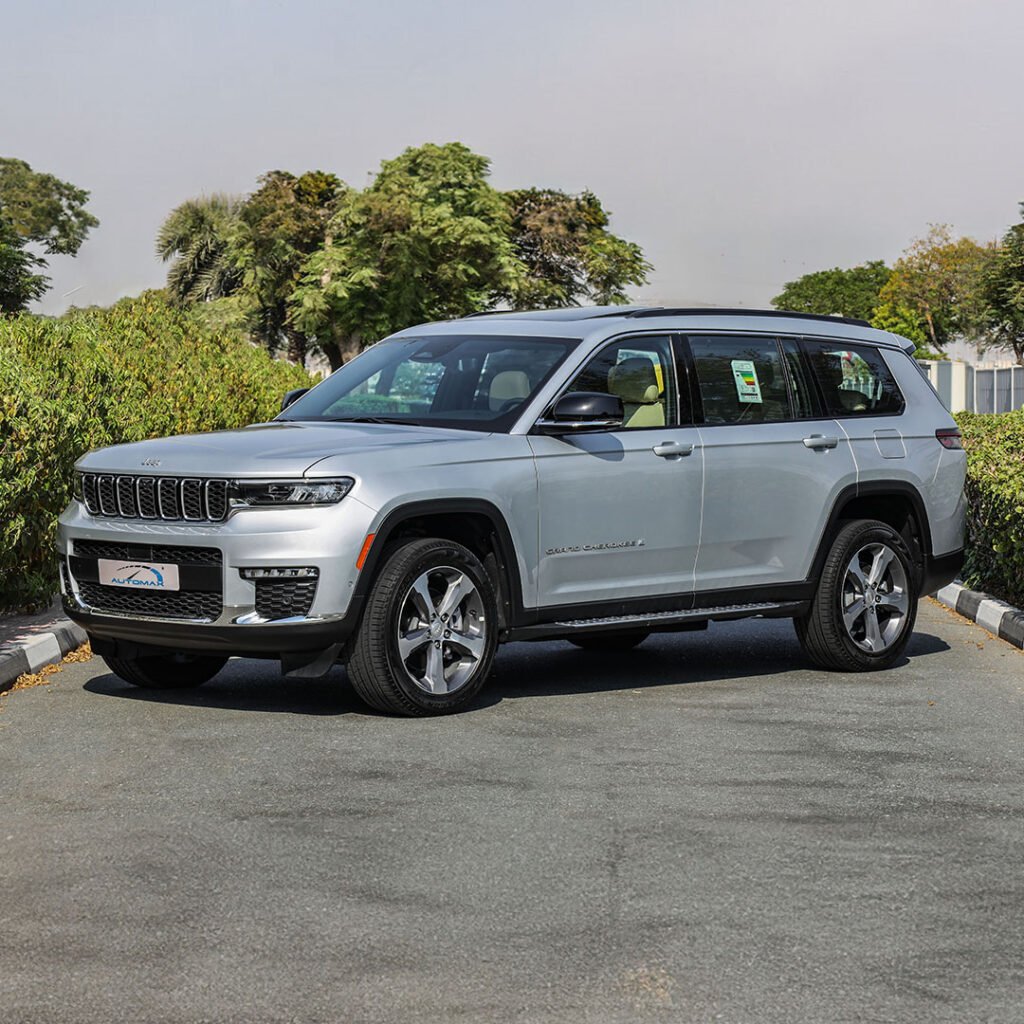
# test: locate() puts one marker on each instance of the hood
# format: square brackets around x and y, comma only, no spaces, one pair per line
[285,449]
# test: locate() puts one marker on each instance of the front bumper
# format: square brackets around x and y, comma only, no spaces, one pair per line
[328,538]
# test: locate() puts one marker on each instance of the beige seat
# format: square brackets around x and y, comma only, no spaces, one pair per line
[506,387]
[636,383]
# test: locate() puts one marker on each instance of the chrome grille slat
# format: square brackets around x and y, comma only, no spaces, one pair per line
[192,499]
[92,502]
[146,488]
[126,497]
[107,492]
[167,497]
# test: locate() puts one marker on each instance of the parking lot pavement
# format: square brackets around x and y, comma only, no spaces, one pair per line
[703,829]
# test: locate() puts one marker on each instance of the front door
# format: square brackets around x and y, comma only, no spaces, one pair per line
[620,510]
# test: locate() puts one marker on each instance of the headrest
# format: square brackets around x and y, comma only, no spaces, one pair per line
[634,381]
[507,385]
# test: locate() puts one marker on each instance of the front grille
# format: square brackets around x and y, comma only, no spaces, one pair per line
[280,599]
[180,604]
[150,497]
[147,552]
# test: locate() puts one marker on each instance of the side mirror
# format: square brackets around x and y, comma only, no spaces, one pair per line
[291,396]
[582,411]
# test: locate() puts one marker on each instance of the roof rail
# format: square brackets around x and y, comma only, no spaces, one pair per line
[719,311]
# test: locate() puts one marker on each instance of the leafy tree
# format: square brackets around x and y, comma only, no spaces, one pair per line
[427,240]
[836,292]
[566,253]
[19,284]
[195,238]
[941,278]
[1003,293]
[39,209]
[278,227]
[44,209]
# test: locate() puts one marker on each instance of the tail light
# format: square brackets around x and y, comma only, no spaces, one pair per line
[950,438]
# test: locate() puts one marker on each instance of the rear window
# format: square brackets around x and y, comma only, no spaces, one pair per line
[854,379]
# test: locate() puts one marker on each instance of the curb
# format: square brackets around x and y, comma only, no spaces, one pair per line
[998,617]
[32,653]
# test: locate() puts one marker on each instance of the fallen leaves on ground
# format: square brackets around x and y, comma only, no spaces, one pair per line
[42,677]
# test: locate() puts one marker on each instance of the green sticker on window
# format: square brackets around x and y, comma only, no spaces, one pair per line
[748,389]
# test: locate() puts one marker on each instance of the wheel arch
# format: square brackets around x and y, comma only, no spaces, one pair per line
[896,503]
[473,522]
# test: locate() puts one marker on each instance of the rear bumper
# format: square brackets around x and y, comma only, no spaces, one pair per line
[940,570]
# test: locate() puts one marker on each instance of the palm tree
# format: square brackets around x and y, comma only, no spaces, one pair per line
[196,236]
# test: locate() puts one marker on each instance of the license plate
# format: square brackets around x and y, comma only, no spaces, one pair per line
[140,575]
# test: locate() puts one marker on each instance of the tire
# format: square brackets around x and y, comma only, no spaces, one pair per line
[427,638]
[175,670]
[609,641]
[837,632]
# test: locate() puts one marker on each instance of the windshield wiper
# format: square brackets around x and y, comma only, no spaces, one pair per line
[365,419]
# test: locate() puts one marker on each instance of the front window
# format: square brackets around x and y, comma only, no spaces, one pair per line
[640,371]
[472,382]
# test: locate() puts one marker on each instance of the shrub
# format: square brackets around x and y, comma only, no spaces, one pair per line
[104,376]
[995,503]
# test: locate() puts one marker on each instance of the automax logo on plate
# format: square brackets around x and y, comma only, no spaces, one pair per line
[142,576]
[150,575]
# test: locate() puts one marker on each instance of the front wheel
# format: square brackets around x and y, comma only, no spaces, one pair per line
[863,612]
[175,670]
[428,635]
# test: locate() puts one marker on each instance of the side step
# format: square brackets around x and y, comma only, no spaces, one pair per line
[657,621]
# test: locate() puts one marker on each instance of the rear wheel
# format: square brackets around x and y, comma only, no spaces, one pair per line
[610,641]
[427,638]
[175,670]
[863,612]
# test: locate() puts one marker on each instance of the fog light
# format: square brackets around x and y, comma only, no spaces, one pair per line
[302,572]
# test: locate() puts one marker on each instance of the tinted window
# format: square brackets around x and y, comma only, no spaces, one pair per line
[476,382]
[741,380]
[640,371]
[854,379]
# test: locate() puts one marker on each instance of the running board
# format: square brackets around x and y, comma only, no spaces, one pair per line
[658,621]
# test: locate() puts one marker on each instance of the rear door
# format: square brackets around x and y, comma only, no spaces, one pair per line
[774,463]
[619,511]
[859,390]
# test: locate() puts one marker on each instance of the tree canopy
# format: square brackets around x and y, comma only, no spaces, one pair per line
[836,292]
[1003,294]
[195,240]
[36,209]
[940,277]
[309,261]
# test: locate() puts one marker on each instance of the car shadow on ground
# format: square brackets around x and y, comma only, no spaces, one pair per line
[730,652]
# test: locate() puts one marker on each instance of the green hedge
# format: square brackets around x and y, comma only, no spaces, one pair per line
[995,503]
[104,376]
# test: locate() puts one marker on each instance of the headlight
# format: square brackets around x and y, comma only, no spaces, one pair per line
[290,492]
[76,486]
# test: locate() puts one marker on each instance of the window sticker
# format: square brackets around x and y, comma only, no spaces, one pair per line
[747,387]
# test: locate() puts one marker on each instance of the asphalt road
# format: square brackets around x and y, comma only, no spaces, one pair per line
[702,830]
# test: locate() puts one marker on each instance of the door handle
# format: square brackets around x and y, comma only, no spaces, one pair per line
[819,441]
[673,449]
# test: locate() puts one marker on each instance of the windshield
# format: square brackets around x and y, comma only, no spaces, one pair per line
[471,382]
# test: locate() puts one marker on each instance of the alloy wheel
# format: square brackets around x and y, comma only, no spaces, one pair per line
[442,633]
[875,601]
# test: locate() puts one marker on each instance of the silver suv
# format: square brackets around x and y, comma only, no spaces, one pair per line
[593,475]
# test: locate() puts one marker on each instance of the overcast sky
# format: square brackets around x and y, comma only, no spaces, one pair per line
[741,143]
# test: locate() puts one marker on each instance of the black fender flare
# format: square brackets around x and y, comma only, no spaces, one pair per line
[874,489]
[508,562]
